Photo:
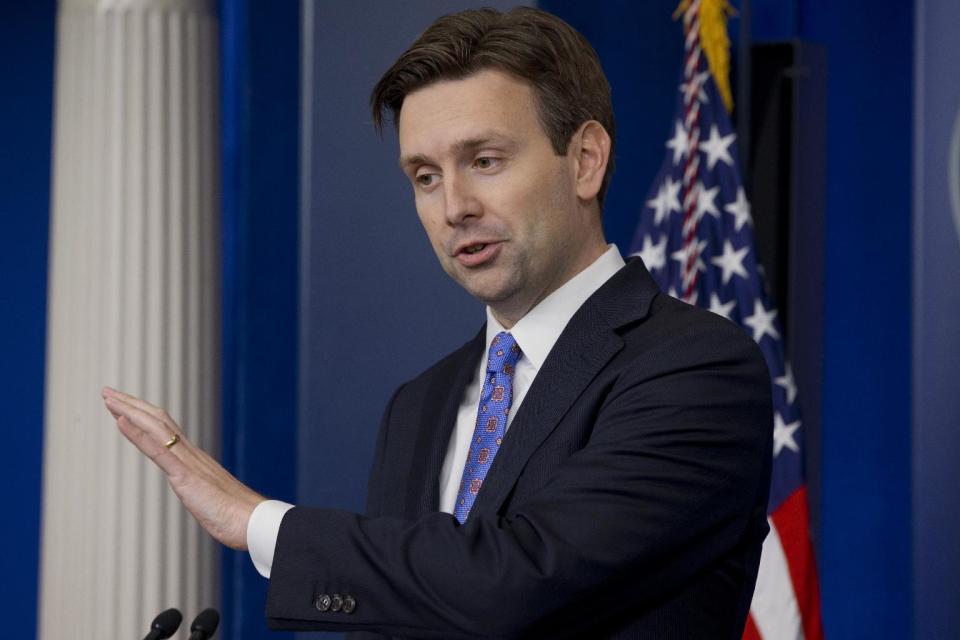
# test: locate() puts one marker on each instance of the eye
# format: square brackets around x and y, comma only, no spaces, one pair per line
[426,179]
[485,162]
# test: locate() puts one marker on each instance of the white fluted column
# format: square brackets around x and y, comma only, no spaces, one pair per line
[133,303]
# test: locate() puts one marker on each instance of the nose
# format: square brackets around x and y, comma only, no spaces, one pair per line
[460,200]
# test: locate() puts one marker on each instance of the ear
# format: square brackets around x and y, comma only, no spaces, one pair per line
[591,151]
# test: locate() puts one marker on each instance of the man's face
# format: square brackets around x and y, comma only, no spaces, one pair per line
[499,206]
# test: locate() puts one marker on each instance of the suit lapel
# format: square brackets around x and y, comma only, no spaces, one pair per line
[436,425]
[584,348]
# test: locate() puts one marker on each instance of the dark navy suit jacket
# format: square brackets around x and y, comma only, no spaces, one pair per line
[628,499]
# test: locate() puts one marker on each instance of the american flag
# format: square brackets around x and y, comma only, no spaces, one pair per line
[695,236]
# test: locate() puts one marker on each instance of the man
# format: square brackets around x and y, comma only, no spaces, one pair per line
[594,463]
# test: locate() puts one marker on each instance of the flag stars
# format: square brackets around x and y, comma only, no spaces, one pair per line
[720,308]
[666,202]
[783,435]
[762,322]
[788,384]
[717,147]
[654,256]
[740,210]
[731,261]
[706,202]
[679,142]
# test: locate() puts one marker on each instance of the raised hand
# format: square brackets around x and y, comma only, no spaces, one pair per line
[220,503]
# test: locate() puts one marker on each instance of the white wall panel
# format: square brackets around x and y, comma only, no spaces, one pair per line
[133,303]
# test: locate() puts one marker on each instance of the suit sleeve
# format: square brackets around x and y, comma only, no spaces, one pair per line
[667,483]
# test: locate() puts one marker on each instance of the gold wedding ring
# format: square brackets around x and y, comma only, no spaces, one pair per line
[172,441]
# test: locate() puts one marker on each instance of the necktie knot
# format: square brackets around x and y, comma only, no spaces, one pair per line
[504,353]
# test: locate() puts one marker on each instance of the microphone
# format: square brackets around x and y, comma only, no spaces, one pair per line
[164,625]
[204,624]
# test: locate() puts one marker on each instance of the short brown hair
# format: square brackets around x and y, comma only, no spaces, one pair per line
[531,44]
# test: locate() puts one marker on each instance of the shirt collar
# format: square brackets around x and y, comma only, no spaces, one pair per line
[538,331]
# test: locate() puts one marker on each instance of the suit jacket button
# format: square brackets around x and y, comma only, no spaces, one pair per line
[336,602]
[349,604]
[323,603]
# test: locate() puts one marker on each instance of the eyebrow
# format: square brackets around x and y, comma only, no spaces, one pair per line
[460,147]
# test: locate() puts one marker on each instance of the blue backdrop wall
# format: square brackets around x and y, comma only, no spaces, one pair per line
[26,113]
[936,307]
[260,62]
[864,551]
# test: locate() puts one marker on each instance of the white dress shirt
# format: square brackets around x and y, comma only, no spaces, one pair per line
[536,333]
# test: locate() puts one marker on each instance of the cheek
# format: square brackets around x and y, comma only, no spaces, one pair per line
[434,230]
[548,208]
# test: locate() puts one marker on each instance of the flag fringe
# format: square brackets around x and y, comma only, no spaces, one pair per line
[715,42]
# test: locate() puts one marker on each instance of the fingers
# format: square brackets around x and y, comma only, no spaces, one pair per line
[164,458]
[147,421]
[143,405]
[147,430]
[150,417]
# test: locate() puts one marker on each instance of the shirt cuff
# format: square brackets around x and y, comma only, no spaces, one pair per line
[262,531]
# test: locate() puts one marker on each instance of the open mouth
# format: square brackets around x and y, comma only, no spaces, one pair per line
[474,255]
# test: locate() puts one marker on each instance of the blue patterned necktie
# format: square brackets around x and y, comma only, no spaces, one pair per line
[495,398]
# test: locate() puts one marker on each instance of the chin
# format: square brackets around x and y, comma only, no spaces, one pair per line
[487,293]
[489,286]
